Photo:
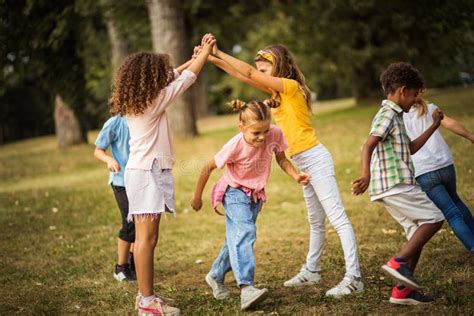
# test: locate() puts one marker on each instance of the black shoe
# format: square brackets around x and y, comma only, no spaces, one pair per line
[123,273]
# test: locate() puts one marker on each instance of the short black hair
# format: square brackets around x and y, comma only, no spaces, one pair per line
[401,74]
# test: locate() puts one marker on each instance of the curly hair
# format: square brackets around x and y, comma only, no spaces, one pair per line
[285,67]
[138,82]
[401,74]
[253,111]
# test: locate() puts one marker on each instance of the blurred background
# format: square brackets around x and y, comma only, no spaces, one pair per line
[58,57]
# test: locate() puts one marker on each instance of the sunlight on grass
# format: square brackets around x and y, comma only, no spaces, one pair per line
[59,225]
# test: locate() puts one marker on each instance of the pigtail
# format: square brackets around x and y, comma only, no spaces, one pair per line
[237,105]
[271,103]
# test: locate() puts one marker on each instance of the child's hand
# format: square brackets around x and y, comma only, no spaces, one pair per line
[360,185]
[113,165]
[208,42]
[302,179]
[196,203]
[437,116]
[196,51]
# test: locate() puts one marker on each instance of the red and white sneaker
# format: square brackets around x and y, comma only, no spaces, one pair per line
[401,272]
[157,308]
[407,296]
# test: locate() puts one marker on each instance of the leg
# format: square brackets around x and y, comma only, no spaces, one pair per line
[316,217]
[147,229]
[127,231]
[123,249]
[412,249]
[440,186]
[449,178]
[328,194]
[221,265]
[240,235]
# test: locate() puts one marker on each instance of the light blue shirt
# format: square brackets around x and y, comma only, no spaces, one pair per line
[115,134]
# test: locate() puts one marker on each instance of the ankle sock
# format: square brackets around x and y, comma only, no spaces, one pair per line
[147,300]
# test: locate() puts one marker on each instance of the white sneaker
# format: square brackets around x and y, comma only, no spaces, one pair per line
[219,291]
[250,296]
[304,277]
[347,286]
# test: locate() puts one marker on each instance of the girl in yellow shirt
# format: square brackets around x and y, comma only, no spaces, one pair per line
[278,74]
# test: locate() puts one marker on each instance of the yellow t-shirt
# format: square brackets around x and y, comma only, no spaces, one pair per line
[294,118]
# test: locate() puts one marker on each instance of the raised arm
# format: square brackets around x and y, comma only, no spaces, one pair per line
[236,74]
[457,128]
[360,185]
[286,166]
[267,81]
[196,202]
[416,144]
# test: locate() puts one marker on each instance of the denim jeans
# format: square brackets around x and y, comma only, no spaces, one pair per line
[323,200]
[440,186]
[241,232]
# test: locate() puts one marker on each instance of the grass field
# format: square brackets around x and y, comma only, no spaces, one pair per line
[59,223]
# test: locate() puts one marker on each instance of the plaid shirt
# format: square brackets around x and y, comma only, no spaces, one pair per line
[391,163]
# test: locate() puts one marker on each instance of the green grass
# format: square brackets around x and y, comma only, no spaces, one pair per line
[59,223]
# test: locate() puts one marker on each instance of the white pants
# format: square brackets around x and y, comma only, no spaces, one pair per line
[323,199]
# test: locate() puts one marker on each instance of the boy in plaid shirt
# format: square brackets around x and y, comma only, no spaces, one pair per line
[388,172]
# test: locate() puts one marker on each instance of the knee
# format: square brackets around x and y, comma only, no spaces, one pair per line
[316,222]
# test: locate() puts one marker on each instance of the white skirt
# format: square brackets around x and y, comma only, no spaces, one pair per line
[149,191]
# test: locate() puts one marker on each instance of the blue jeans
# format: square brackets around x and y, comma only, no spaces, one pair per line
[440,186]
[241,233]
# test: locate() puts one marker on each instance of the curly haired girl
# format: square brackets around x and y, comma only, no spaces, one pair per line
[144,87]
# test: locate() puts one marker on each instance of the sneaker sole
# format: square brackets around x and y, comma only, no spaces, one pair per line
[400,278]
[406,301]
[256,300]
[209,282]
[118,278]
[301,284]
[158,314]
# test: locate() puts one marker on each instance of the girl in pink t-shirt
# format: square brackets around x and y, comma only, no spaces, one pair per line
[144,87]
[248,158]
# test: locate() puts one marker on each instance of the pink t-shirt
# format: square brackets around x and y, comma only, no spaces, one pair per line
[247,166]
[150,134]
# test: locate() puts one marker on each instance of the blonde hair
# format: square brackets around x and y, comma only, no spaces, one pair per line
[138,82]
[253,111]
[422,107]
[284,66]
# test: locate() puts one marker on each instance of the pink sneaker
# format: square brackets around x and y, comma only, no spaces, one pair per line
[157,308]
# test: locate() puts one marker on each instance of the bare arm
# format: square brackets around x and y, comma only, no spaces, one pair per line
[236,74]
[360,185]
[184,66]
[111,163]
[416,144]
[290,170]
[457,128]
[267,81]
[196,202]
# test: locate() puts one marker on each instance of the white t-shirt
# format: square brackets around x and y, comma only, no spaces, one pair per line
[435,153]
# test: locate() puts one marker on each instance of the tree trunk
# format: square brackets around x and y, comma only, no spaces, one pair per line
[119,45]
[200,95]
[169,36]
[68,129]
